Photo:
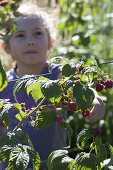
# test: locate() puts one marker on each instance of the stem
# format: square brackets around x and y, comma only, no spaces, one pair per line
[30,113]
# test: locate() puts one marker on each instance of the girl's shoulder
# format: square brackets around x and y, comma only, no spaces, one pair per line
[11,74]
[55,70]
[55,67]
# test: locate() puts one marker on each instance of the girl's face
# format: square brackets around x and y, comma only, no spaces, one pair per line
[30,42]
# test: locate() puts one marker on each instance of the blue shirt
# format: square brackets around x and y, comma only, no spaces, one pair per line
[44,140]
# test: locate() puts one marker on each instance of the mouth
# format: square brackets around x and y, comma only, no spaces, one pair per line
[31,52]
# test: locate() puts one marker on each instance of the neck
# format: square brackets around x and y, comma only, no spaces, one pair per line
[23,70]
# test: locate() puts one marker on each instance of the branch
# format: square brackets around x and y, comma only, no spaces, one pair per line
[30,113]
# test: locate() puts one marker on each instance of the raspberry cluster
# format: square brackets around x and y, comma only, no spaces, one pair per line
[104,84]
[71,105]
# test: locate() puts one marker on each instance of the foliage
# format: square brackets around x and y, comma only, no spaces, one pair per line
[82,31]
[16,148]
[86,30]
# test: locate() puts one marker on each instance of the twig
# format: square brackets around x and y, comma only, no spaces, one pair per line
[30,113]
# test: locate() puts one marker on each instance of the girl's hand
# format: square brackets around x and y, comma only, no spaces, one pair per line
[97,111]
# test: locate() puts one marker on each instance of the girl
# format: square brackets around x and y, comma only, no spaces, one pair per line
[28,45]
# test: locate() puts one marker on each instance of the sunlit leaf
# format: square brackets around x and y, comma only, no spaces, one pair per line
[45,118]
[83,137]
[3,78]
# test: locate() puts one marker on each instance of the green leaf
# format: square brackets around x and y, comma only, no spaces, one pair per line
[84,95]
[83,137]
[12,139]
[35,157]
[68,70]
[34,89]
[21,115]
[108,163]
[45,118]
[3,78]
[52,90]
[85,161]
[20,156]
[59,160]
[5,106]
[69,83]
[21,83]
[102,153]
[5,152]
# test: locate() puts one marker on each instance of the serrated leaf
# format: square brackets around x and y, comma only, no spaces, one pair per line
[35,157]
[21,83]
[108,163]
[5,152]
[102,153]
[69,83]
[85,161]
[43,78]
[35,90]
[5,107]
[68,70]
[83,137]
[12,139]
[59,160]
[84,95]
[19,157]
[45,118]
[3,78]
[21,115]
[51,90]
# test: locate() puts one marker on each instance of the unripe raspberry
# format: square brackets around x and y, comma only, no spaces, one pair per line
[58,118]
[108,84]
[72,105]
[86,112]
[99,87]
[96,131]
[79,67]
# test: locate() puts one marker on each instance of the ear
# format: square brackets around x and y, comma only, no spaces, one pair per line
[7,48]
[50,42]
[2,44]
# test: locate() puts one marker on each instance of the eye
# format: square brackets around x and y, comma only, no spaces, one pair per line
[19,35]
[38,33]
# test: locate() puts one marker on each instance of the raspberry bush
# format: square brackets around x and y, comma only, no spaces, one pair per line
[73,94]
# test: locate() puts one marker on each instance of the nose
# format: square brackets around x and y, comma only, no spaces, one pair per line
[31,43]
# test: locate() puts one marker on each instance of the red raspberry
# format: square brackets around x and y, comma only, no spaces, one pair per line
[58,118]
[99,87]
[109,84]
[103,82]
[72,105]
[86,112]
